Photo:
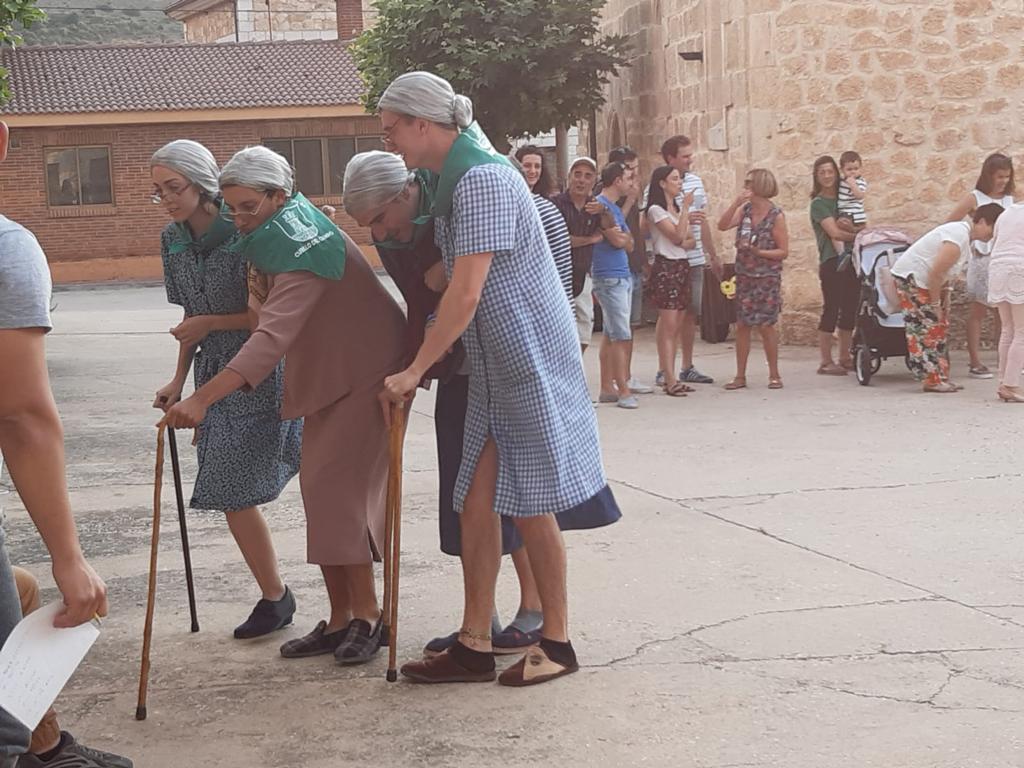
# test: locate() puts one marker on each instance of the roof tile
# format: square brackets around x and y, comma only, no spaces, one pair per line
[179,76]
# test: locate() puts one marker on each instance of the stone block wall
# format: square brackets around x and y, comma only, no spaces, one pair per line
[922,89]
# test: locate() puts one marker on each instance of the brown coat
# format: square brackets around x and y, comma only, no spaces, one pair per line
[339,338]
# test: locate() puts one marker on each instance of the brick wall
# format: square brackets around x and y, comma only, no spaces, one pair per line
[923,90]
[122,241]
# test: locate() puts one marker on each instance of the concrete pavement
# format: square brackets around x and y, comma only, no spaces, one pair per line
[827,576]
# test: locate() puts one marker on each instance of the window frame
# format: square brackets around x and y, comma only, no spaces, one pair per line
[79,206]
[325,159]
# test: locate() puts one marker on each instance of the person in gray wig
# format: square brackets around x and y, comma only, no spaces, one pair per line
[246,453]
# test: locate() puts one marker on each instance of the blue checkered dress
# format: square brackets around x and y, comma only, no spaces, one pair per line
[527,387]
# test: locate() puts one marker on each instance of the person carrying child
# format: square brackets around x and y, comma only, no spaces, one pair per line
[853,189]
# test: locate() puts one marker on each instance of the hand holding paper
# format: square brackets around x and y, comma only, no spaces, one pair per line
[37,661]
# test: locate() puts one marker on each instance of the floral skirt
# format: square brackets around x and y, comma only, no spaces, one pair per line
[758,299]
[668,287]
[927,353]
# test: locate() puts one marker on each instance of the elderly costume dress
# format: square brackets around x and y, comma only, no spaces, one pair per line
[246,453]
[527,389]
[341,334]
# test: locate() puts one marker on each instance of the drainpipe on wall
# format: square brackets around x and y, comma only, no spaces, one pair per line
[270,21]
[237,36]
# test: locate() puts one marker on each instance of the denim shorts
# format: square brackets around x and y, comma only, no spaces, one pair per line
[696,278]
[616,297]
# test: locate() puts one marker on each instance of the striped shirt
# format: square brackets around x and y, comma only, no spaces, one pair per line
[850,205]
[557,234]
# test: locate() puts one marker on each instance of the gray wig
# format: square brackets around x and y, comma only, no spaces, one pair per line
[193,161]
[373,179]
[425,95]
[258,168]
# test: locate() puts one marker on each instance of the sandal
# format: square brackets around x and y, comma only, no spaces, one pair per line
[942,388]
[831,370]
[735,384]
[774,383]
[677,390]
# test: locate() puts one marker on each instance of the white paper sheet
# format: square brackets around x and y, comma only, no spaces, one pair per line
[37,661]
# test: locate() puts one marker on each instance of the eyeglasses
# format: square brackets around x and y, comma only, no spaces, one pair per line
[160,195]
[229,213]
[385,130]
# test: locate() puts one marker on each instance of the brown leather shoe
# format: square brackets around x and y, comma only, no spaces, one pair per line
[444,669]
[535,668]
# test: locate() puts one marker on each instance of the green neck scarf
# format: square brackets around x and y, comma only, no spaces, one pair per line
[471,148]
[428,185]
[220,232]
[299,237]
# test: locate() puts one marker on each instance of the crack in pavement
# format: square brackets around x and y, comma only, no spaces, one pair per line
[769,495]
[835,558]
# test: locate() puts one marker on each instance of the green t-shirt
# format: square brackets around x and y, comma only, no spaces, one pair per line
[821,209]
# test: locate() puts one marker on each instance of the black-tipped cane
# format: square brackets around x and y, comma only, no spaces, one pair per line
[180,497]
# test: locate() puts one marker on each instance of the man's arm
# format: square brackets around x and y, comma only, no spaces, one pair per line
[32,441]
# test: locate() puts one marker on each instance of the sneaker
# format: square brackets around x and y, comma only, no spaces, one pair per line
[75,755]
[692,376]
[439,645]
[659,379]
[639,389]
[629,403]
[268,616]
[979,372]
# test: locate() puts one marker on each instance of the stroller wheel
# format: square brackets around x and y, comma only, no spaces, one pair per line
[876,364]
[865,365]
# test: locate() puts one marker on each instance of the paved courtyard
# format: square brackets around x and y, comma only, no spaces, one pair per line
[827,576]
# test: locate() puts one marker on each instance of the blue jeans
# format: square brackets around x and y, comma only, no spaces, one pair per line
[636,307]
[14,737]
[616,296]
[696,277]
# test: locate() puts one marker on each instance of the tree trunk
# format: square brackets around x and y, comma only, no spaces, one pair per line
[561,154]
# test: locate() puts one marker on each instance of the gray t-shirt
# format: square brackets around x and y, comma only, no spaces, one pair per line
[25,284]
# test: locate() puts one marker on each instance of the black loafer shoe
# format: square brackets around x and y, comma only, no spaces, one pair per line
[268,616]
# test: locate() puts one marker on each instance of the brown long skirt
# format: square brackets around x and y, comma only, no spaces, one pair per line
[343,475]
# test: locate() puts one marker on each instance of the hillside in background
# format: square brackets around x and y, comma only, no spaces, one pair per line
[104,21]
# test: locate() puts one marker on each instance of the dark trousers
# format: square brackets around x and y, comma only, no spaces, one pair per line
[449,425]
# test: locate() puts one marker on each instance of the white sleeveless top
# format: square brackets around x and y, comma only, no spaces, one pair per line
[980,199]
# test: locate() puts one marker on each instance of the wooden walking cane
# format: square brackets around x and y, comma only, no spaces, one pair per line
[147,633]
[393,535]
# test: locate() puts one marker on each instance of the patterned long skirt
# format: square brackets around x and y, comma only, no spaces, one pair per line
[926,332]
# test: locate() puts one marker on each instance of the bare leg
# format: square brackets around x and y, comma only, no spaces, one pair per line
[336,581]
[975,319]
[547,555]
[481,550]
[845,342]
[770,340]
[687,334]
[1005,336]
[618,353]
[825,345]
[742,350]
[666,334]
[254,542]
[629,359]
[362,592]
[529,598]
[607,367]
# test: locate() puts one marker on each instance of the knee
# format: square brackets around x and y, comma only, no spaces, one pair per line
[28,590]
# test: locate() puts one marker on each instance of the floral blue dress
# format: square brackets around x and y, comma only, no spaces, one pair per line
[246,453]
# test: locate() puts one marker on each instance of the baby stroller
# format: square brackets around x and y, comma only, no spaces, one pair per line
[878,333]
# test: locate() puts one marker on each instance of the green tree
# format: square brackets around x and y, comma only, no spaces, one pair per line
[23,13]
[528,65]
